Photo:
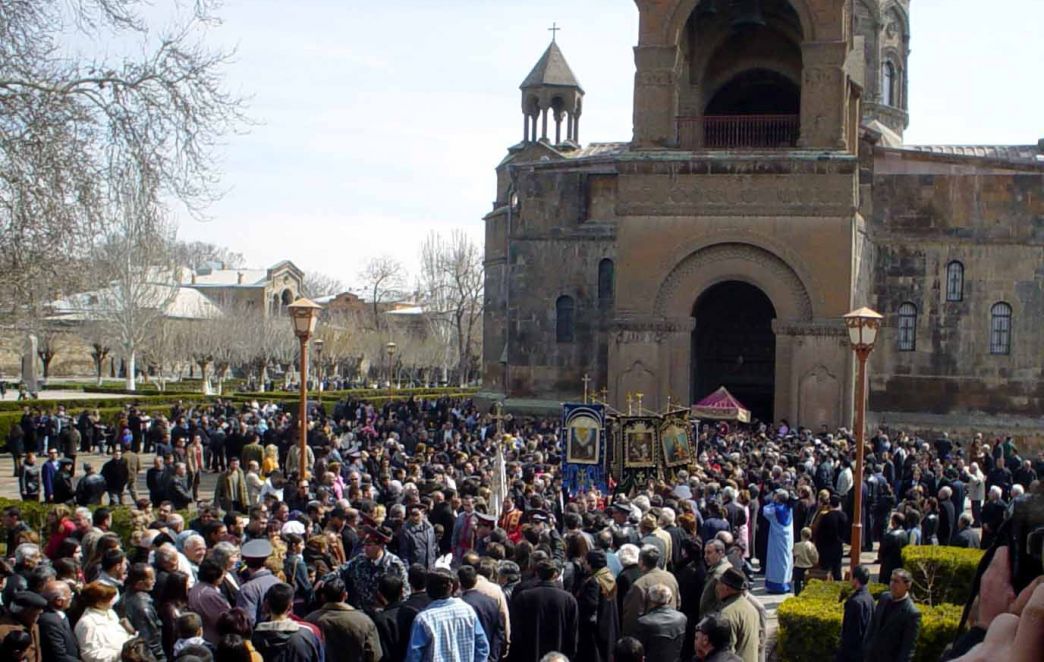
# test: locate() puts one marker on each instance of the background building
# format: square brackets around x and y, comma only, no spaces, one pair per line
[764,193]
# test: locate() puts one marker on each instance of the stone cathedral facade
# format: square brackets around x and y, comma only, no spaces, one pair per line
[765,192]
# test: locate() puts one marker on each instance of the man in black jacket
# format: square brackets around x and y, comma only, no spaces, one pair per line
[895,623]
[859,609]
[947,516]
[544,618]
[137,605]
[57,639]
[116,475]
[486,609]
[90,488]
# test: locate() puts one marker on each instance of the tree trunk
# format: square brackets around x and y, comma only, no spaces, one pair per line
[46,358]
[131,381]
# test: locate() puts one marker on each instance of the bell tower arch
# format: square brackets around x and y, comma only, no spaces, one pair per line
[707,66]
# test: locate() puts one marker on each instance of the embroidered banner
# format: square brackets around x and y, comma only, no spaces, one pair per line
[584,451]
[675,439]
[639,447]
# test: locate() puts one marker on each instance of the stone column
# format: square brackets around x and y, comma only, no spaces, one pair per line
[824,95]
[655,96]
[813,373]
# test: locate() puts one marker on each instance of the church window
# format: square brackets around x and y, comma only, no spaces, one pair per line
[1000,328]
[907,327]
[954,281]
[606,284]
[565,312]
[890,85]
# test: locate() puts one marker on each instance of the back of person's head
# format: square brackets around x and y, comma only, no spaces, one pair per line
[546,570]
[390,587]
[234,621]
[861,575]
[334,590]
[628,649]
[232,648]
[210,571]
[417,576]
[39,577]
[440,584]
[468,577]
[649,557]
[111,559]
[280,598]
[717,631]
[189,625]
[487,568]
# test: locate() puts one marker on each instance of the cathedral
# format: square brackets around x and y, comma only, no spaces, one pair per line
[765,192]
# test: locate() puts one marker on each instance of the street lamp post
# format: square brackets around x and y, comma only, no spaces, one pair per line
[863,325]
[390,349]
[318,344]
[304,315]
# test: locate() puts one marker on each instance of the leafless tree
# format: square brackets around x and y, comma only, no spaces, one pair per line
[98,339]
[196,254]
[137,271]
[383,280]
[146,101]
[451,286]
[318,284]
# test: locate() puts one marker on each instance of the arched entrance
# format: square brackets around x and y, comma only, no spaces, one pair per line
[733,345]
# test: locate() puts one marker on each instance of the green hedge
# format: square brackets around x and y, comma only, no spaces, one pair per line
[35,515]
[941,574]
[810,624]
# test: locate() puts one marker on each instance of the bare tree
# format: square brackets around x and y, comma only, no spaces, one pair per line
[318,284]
[71,118]
[135,263]
[383,279]
[451,283]
[97,338]
[196,254]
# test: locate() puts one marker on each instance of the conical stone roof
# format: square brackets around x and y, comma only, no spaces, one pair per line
[551,70]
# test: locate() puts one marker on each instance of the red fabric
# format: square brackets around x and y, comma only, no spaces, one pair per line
[54,543]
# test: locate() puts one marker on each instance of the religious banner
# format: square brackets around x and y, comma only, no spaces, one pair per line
[583,436]
[674,439]
[639,446]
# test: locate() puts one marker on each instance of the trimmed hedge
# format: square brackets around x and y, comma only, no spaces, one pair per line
[35,515]
[941,574]
[810,624]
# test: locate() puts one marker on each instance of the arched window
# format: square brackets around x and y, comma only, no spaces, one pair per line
[1000,328]
[565,311]
[889,87]
[907,327]
[606,284]
[954,281]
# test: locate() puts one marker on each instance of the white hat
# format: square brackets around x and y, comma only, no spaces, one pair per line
[293,526]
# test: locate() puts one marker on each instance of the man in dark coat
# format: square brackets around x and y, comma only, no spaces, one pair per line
[90,488]
[416,537]
[486,609]
[828,534]
[544,618]
[965,536]
[947,516]
[895,623]
[859,608]
[282,639]
[393,620]
[661,629]
[137,604]
[57,639]
[116,475]
[349,633]
[891,550]
[599,618]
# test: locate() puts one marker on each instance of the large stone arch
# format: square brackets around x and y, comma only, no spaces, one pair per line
[733,261]
[675,23]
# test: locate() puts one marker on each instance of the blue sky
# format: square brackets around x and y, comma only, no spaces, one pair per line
[381,121]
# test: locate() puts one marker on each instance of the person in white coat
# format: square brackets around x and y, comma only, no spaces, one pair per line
[100,632]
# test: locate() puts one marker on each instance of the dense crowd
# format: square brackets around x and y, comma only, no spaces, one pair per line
[400,541]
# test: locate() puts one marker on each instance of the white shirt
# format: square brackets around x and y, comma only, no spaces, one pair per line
[100,635]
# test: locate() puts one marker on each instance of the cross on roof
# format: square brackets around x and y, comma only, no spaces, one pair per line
[554,31]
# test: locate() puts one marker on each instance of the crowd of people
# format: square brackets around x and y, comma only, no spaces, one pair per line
[396,538]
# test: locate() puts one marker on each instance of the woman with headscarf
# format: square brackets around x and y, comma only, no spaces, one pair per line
[598,616]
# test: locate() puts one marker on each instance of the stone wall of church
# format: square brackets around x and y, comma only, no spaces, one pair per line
[560,232]
[992,224]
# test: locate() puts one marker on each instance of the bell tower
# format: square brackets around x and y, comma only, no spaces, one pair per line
[746,74]
[884,26]
[551,92]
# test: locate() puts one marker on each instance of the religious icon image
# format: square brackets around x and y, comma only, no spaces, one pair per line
[675,442]
[582,446]
[639,443]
